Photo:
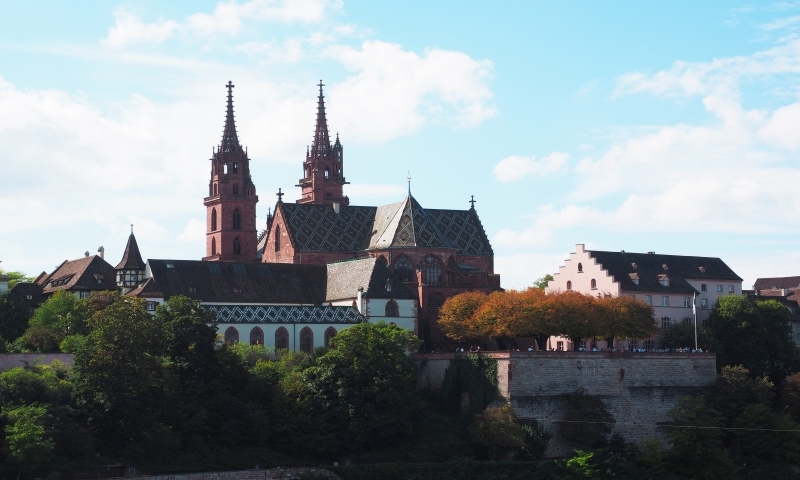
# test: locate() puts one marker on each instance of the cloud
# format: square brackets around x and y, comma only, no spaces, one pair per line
[520,271]
[514,167]
[227,18]
[782,23]
[395,91]
[289,51]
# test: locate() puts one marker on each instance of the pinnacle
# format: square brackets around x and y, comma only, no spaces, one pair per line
[230,140]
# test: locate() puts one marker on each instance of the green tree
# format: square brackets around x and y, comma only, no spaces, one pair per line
[755,334]
[14,316]
[60,316]
[681,335]
[27,445]
[365,385]
[541,283]
[535,440]
[15,277]
[497,428]
[586,422]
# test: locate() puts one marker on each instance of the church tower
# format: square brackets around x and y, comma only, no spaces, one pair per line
[231,202]
[323,174]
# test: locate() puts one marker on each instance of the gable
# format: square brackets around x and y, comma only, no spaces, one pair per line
[319,227]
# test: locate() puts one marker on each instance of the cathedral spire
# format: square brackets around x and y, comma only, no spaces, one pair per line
[322,142]
[230,141]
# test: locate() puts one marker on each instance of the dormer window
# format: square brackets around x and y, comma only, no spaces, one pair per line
[663,280]
[580,268]
[634,278]
[702,269]
[192,289]
[388,285]
[634,266]
[665,267]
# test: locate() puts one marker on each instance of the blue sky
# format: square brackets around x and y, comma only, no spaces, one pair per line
[671,126]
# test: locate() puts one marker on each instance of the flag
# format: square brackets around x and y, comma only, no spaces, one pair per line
[694,304]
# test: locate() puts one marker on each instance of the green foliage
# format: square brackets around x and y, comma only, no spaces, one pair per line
[541,283]
[681,335]
[27,444]
[72,343]
[586,421]
[60,316]
[535,440]
[473,374]
[16,277]
[754,334]
[14,316]
[497,428]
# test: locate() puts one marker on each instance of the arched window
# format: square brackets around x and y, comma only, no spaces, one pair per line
[306,340]
[215,189]
[231,335]
[327,172]
[594,283]
[256,336]
[329,334]
[580,267]
[235,167]
[382,261]
[305,171]
[213,246]
[435,301]
[391,309]
[404,269]
[282,338]
[569,285]
[213,219]
[235,189]
[237,219]
[278,239]
[225,168]
[432,270]
[237,246]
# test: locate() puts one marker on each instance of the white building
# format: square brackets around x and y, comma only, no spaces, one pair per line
[670,283]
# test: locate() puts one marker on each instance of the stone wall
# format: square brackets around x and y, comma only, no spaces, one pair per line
[11,360]
[638,389]
[261,474]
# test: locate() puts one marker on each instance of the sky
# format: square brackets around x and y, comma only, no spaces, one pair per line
[641,126]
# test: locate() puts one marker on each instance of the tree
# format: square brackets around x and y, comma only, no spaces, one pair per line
[364,385]
[586,421]
[456,316]
[575,315]
[15,277]
[14,316]
[681,335]
[754,334]
[27,445]
[58,317]
[536,439]
[541,283]
[625,317]
[497,428]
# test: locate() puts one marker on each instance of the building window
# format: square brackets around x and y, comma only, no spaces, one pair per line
[151,306]
[235,167]
[391,309]
[435,301]
[719,288]
[327,172]
[569,284]
[731,289]
[432,271]
[665,323]
[213,246]
[237,220]
[665,281]
[404,269]
[703,303]
[237,246]
[703,287]
[84,294]
[687,301]
[633,343]
[231,336]
[329,334]
[594,284]
[582,344]
[213,219]
[282,338]
[560,346]
[580,267]
[665,301]
[256,336]
[235,189]
[306,340]
[170,265]
[278,239]
[648,299]
[649,345]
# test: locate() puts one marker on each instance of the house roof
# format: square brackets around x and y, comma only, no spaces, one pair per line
[148,289]
[239,282]
[23,290]
[346,277]
[284,314]
[651,270]
[402,224]
[131,259]
[88,273]
[776,282]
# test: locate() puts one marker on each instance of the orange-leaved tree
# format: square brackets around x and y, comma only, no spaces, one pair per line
[626,317]
[456,317]
[574,315]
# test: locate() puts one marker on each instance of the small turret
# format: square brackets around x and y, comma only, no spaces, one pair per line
[130,271]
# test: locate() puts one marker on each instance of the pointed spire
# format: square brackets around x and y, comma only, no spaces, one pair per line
[409,183]
[230,141]
[132,259]
[322,141]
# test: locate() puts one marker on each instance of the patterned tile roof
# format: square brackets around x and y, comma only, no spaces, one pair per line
[463,229]
[319,227]
[346,277]
[284,314]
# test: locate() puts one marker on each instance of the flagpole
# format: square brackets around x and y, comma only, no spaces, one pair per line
[694,311]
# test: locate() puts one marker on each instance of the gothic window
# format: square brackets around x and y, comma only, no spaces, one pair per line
[382,261]
[327,172]
[278,239]
[306,340]
[213,246]
[580,268]
[231,336]
[282,338]
[237,246]
[594,284]
[256,336]
[225,169]
[391,309]
[404,269]
[305,171]
[235,189]
[435,301]
[569,285]
[237,220]
[452,268]
[235,167]
[213,219]
[329,334]
[431,269]
[215,189]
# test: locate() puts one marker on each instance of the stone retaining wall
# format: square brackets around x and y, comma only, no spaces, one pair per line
[11,360]
[261,474]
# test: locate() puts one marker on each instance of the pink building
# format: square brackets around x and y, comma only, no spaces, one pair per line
[670,283]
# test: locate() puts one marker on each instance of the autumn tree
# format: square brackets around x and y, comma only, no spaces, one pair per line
[456,316]
[574,315]
[497,428]
[625,317]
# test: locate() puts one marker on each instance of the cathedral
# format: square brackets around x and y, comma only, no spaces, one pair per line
[435,253]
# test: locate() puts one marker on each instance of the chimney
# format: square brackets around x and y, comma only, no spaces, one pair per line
[102,252]
[336,207]
[86,253]
[651,253]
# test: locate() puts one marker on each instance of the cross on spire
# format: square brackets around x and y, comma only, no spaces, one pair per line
[320,85]
[230,140]
[322,143]
[472,201]
[409,182]
[280,195]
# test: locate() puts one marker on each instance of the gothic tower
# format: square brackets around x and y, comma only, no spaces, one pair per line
[323,174]
[231,202]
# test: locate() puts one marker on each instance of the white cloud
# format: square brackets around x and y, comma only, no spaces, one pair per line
[396,91]
[128,28]
[515,167]
[782,23]
[289,51]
